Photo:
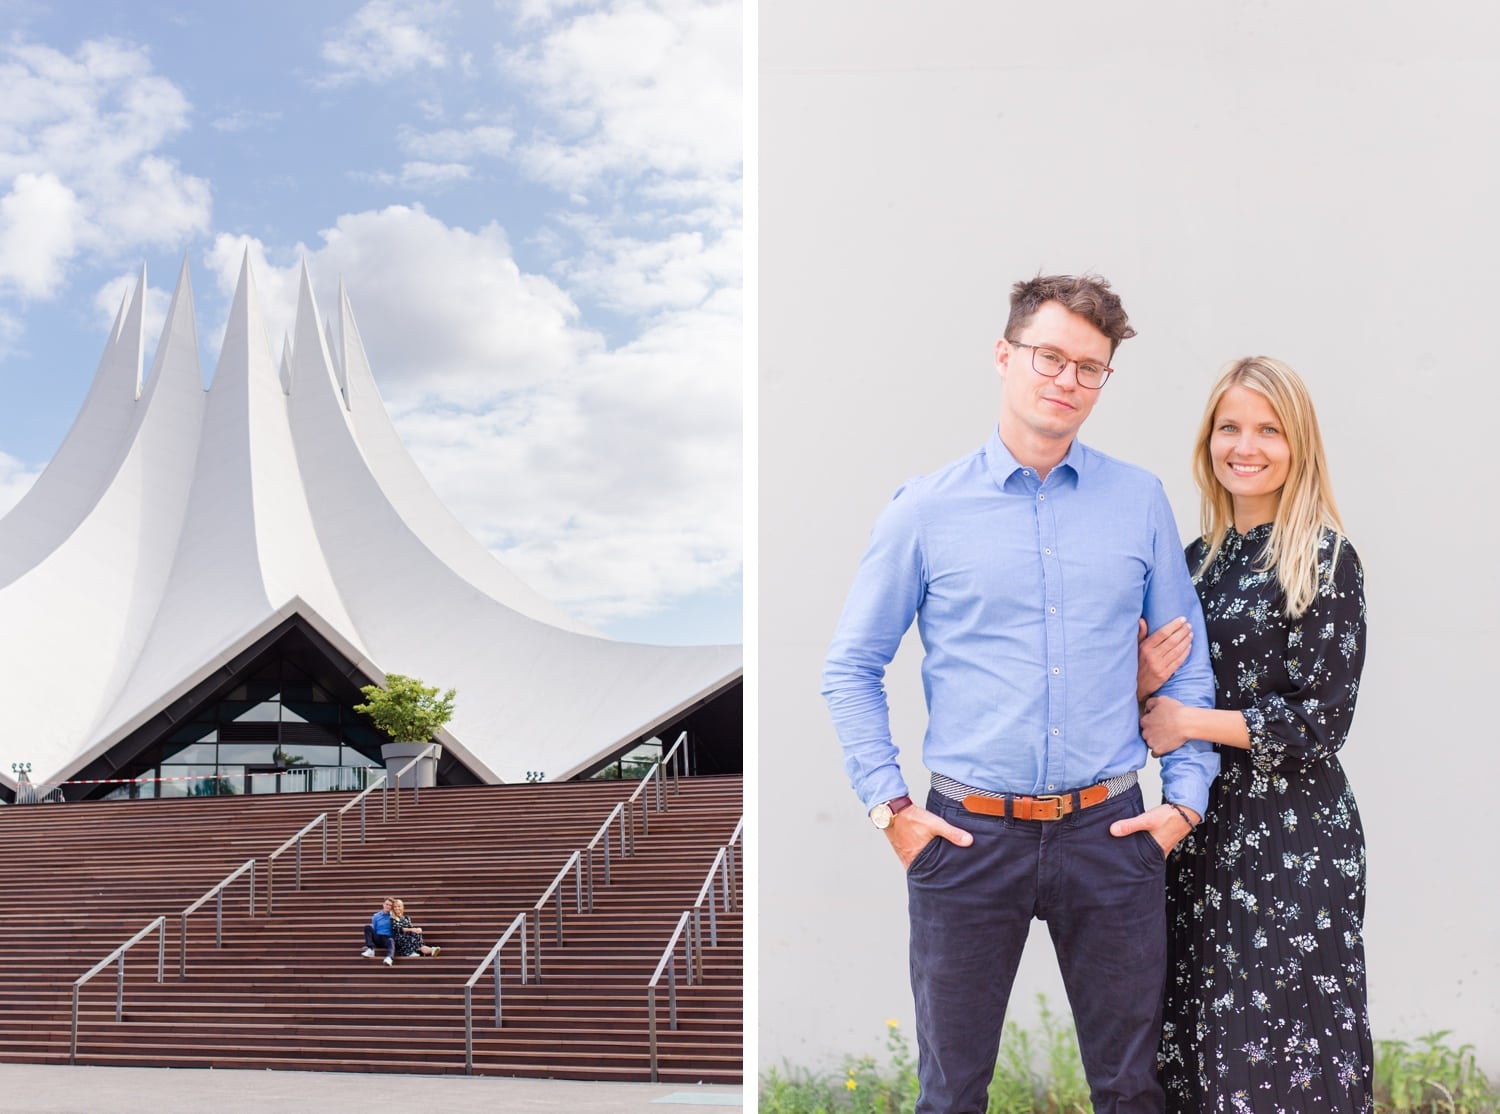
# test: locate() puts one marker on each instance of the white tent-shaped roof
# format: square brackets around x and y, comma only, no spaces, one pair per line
[175,527]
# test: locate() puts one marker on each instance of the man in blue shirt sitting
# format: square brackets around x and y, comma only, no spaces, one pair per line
[378,933]
[1028,566]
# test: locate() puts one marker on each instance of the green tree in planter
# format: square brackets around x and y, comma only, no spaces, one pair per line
[406,709]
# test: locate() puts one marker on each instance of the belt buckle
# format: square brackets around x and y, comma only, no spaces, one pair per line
[1057,799]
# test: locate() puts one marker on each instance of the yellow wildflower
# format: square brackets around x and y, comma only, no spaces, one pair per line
[892,1023]
[850,1084]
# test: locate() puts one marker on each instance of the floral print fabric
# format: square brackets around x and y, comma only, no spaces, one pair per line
[1265,1006]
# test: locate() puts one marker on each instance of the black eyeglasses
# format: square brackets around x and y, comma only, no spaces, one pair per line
[1050,362]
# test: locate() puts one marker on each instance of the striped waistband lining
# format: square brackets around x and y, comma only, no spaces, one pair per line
[957,790]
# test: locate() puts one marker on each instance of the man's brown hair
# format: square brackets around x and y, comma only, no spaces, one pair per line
[1089,296]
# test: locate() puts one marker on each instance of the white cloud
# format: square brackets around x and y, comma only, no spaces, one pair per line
[606,478]
[78,164]
[640,88]
[387,38]
[41,221]
[15,480]
[636,276]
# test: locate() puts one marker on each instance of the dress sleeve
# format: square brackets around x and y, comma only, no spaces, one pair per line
[1325,653]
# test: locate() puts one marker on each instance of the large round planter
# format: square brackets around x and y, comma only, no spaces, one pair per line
[397,755]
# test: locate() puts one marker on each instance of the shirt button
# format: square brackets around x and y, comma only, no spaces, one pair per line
[1054,731]
[1042,497]
[1047,550]
[1051,787]
[1052,610]
[1056,670]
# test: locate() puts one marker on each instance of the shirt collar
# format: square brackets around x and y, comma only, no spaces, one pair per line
[1002,465]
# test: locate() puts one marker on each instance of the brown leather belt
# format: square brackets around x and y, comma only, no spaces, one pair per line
[1047,806]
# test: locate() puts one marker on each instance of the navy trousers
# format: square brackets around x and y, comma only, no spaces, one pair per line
[971,909]
[373,941]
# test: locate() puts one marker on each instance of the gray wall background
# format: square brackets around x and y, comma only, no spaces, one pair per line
[1315,182]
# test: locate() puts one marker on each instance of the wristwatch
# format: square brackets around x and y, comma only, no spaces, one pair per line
[882,815]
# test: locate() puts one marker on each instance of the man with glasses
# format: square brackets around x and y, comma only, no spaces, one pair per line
[1029,565]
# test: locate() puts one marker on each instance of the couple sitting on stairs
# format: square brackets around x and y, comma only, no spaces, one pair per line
[390,928]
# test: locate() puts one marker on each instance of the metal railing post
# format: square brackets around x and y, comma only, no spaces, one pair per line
[669,962]
[117,957]
[468,1030]
[590,886]
[651,1027]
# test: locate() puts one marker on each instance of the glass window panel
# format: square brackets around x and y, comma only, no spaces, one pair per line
[263,690]
[305,754]
[185,781]
[267,712]
[192,753]
[251,754]
[296,690]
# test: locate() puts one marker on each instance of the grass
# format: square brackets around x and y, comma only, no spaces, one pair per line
[1040,1072]
[863,1086]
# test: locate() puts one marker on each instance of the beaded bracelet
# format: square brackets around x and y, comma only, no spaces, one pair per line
[1182,812]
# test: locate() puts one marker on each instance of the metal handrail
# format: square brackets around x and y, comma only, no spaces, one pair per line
[360,801]
[603,832]
[492,956]
[416,785]
[706,891]
[661,802]
[119,954]
[669,961]
[573,861]
[321,818]
[248,864]
[734,839]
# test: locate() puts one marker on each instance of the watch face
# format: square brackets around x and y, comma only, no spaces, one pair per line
[880,816]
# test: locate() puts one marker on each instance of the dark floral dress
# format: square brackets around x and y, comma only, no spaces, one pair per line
[1265,1006]
[407,942]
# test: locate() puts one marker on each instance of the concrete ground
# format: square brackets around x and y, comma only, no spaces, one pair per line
[45,1089]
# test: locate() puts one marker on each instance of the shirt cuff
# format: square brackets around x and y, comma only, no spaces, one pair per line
[884,784]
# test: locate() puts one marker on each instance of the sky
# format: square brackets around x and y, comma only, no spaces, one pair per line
[535,207]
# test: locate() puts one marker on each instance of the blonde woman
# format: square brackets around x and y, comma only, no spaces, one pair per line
[409,940]
[1265,1006]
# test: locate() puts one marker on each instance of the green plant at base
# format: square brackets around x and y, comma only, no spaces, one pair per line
[1424,1076]
[1427,1075]
[862,1086]
[406,709]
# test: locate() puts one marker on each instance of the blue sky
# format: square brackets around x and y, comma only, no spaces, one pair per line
[535,206]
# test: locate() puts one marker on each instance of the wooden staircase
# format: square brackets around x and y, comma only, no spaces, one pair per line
[289,988]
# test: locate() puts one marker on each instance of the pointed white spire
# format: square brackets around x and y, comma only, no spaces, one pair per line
[286,363]
[336,350]
[176,365]
[132,338]
[310,354]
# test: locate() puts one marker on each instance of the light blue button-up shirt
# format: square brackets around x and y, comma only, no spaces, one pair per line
[1027,596]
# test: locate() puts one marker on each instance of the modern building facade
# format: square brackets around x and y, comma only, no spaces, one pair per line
[196,587]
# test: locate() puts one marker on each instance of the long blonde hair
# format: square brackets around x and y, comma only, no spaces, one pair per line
[1305,509]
